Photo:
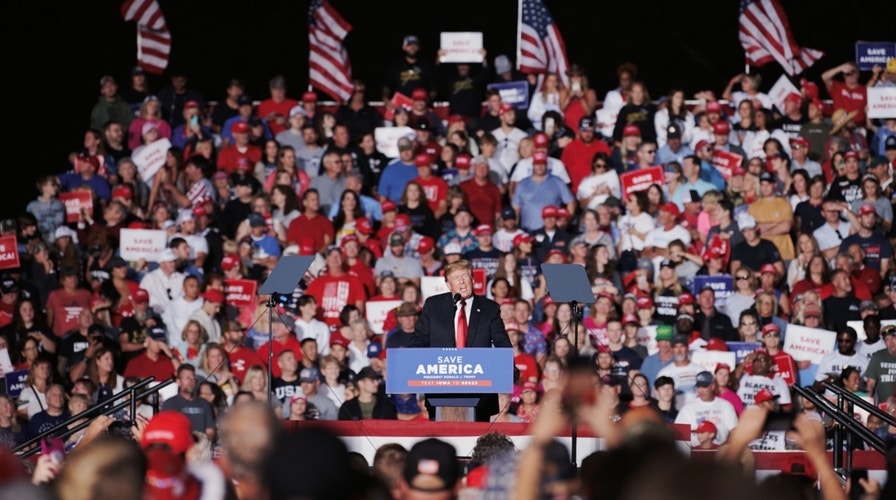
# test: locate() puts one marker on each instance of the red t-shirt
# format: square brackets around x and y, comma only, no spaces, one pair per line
[577,156]
[527,366]
[66,309]
[291,344]
[334,293]
[282,108]
[850,99]
[435,189]
[316,227]
[241,358]
[143,367]
[231,159]
[364,273]
[484,201]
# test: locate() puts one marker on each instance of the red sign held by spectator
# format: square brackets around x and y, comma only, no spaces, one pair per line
[9,252]
[640,180]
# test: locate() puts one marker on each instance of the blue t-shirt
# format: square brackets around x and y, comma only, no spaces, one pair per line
[395,177]
[877,248]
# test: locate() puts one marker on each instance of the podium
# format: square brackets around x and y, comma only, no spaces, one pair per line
[453,379]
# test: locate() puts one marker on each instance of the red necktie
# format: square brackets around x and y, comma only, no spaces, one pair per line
[461,330]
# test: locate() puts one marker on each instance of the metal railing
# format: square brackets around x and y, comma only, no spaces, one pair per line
[132,395]
[848,428]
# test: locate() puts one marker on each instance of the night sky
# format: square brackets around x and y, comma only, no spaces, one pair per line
[56,52]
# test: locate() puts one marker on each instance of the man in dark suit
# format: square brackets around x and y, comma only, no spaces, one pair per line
[438,325]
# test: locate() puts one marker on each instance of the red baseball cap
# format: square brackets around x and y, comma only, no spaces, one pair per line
[563,212]
[191,104]
[362,225]
[426,244]
[771,327]
[706,426]
[631,131]
[539,158]
[522,238]
[423,160]
[456,118]
[123,191]
[685,299]
[630,318]
[504,108]
[768,268]
[716,344]
[462,161]
[556,252]
[419,95]
[547,301]
[867,208]
[240,128]
[309,96]
[337,338]
[229,262]
[721,366]
[140,295]
[644,302]
[670,207]
[540,140]
[549,211]
[349,238]
[482,230]
[802,141]
[764,395]
[402,222]
[721,127]
[794,98]
[702,144]
[214,295]
[511,325]
[713,107]
[388,205]
[171,428]
[851,155]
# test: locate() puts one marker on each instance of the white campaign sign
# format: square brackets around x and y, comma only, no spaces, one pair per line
[811,344]
[647,337]
[151,158]
[461,47]
[432,285]
[780,90]
[139,244]
[709,359]
[377,311]
[387,139]
[882,102]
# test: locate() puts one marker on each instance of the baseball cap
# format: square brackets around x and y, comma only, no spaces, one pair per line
[685,299]
[631,131]
[309,375]
[426,244]
[452,249]
[482,230]
[670,207]
[890,142]
[557,252]
[746,221]
[868,305]
[140,296]
[721,366]
[505,108]
[721,127]
[771,327]
[673,131]
[888,330]
[716,344]
[123,191]
[549,211]
[462,162]
[388,205]
[296,111]
[764,395]
[667,263]
[396,239]
[368,373]
[337,338]
[713,107]
[431,465]
[586,123]
[167,255]
[704,379]
[256,220]
[463,208]
[410,40]
[867,208]
[349,238]
[362,225]
[170,428]
[423,160]
[539,158]
[767,177]
[522,238]
[404,144]
[148,127]
[229,262]
[630,318]
[540,140]
[240,127]
[508,213]
[309,96]
[706,426]
[406,309]
[419,95]
[677,339]
[664,332]
[528,386]
[644,302]
[213,295]
[811,310]
[768,268]
[684,315]
[502,64]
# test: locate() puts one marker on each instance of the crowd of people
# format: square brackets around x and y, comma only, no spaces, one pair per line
[800,224]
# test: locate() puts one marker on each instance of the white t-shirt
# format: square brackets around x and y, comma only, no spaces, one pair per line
[833,363]
[660,238]
[752,384]
[642,223]
[718,411]
[317,330]
[826,236]
[524,169]
[685,378]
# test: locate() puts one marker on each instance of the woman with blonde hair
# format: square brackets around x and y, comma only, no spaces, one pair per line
[150,113]
[545,99]
[33,398]
[806,248]
[12,433]
[192,348]
[255,382]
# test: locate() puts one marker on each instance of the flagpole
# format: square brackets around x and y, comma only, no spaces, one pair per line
[746,69]
[519,31]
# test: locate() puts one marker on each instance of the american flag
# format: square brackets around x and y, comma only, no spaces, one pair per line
[153,37]
[541,46]
[765,35]
[328,65]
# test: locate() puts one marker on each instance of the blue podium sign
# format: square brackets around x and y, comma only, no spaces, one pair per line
[515,93]
[442,370]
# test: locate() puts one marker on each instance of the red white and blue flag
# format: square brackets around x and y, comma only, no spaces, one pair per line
[328,66]
[541,47]
[765,36]
[153,36]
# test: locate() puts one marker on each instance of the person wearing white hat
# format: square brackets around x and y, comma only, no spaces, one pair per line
[164,283]
[754,251]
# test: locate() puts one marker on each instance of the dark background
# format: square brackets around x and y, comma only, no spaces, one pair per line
[57,52]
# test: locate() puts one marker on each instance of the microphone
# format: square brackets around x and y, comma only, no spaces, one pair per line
[456,299]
